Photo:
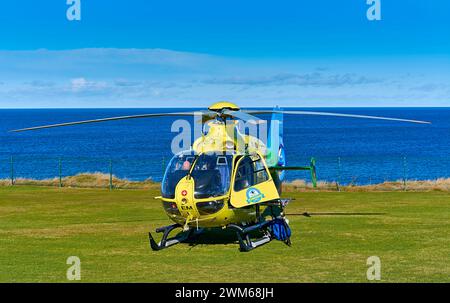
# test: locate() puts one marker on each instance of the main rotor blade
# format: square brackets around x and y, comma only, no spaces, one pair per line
[202,112]
[244,116]
[312,113]
[207,117]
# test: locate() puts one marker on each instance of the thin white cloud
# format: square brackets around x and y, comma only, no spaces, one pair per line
[308,79]
[101,62]
[40,83]
[83,85]
[165,78]
[430,87]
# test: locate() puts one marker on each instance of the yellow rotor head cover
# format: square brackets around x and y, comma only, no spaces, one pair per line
[218,106]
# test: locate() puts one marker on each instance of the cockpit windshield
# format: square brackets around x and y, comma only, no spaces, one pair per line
[212,175]
[179,166]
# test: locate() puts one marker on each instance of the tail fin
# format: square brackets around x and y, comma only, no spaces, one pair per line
[276,155]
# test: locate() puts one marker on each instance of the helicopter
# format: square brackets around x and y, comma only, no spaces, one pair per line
[228,179]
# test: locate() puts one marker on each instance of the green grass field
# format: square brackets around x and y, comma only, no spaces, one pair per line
[41,227]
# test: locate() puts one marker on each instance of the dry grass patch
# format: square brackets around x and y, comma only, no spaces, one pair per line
[86,180]
[441,184]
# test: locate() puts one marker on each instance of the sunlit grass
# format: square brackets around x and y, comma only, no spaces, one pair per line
[40,227]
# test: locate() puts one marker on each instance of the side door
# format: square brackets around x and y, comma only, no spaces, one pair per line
[252,183]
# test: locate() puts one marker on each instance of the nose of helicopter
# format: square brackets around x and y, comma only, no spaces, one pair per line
[184,196]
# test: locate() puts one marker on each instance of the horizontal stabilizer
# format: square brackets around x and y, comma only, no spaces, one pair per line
[291,167]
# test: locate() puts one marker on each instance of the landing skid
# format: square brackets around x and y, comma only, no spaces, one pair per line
[166,241]
[243,234]
[246,243]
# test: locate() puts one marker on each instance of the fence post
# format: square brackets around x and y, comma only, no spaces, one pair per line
[338,183]
[110,175]
[12,170]
[60,172]
[404,173]
[312,169]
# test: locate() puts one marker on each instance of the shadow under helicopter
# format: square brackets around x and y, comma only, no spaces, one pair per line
[307,214]
[214,236]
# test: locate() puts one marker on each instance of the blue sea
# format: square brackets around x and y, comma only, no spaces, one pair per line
[346,150]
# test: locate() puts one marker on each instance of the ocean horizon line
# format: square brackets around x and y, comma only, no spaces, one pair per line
[250,107]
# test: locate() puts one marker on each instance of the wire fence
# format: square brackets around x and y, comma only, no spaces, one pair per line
[141,173]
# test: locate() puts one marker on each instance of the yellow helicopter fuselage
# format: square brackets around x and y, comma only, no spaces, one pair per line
[232,160]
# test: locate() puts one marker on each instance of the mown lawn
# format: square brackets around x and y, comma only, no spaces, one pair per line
[41,227]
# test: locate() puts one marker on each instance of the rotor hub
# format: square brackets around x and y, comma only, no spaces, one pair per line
[222,105]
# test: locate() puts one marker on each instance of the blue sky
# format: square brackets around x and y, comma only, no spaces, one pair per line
[145,53]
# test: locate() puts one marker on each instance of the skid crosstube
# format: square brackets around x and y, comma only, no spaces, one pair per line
[165,241]
[245,242]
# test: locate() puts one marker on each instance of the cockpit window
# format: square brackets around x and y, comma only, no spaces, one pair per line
[177,169]
[212,174]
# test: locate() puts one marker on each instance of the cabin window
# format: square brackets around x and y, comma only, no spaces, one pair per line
[250,172]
